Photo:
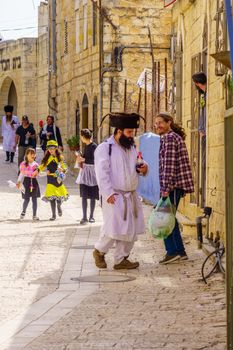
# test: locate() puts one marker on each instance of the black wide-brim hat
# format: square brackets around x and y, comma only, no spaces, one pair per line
[8,108]
[123,120]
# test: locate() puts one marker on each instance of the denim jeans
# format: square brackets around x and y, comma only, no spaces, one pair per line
[174,243]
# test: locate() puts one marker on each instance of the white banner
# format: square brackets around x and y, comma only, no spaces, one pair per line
[148,73]
[168,2]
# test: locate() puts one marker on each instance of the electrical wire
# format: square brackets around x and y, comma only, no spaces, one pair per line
[57,23]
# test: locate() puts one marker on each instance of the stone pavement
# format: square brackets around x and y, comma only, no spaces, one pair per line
[47,305]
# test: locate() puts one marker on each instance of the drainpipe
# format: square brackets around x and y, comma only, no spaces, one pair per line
[52,67]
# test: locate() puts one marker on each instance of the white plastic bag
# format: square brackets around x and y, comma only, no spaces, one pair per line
[162,219]
[12,184]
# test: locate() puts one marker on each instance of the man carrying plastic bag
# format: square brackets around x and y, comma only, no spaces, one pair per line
[175,178]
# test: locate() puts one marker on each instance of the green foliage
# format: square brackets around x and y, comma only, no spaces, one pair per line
[230,83]
[73,142]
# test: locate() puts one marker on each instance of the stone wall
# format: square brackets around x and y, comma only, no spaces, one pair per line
[24,63]
[78,69]
[188,21]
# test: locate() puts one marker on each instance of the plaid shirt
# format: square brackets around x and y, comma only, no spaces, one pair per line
[174,166]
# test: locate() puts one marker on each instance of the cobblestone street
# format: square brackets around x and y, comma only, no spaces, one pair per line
[43,306]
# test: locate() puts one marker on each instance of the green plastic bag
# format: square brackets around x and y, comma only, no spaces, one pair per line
[162,219]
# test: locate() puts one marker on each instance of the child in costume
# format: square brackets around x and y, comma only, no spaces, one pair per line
[31,186]
[87,178]
[55,192]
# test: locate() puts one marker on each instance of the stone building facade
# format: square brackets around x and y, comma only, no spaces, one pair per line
[199,31]
[24,73]
[98,51]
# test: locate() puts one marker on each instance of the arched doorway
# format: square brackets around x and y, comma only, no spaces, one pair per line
[12,97]
[85,105]
[8,95]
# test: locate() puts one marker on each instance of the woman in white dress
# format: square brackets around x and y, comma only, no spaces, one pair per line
[10,123]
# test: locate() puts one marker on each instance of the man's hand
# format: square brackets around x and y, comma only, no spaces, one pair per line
[112,199]
[61,148]
[18,185]
[202,134]
[143,169]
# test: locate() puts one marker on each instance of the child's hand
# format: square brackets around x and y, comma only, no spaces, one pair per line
[35,173]
[48,172]
[80,159]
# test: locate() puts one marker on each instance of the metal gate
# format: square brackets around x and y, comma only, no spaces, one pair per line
[229,226]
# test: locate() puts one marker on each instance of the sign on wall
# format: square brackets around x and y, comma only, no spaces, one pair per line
[168,2]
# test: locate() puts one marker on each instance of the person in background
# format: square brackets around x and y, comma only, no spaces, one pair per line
[51,132]
[87,178]
[175,177]
[30,183]
[25,138]
[9,125]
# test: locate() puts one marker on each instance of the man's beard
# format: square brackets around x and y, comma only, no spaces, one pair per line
[126,142]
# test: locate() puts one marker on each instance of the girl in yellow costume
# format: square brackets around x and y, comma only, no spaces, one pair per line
[55,191]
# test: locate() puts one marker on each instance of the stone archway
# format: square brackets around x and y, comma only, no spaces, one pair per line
[8,95]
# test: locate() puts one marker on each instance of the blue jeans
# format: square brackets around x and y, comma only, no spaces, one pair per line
[174,243]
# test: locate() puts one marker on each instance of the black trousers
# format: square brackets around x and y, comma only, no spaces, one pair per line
[10,155]
[53,204]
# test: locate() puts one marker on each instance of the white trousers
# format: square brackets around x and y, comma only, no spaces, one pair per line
[122,248]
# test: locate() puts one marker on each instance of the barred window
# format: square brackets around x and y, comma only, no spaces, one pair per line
[85,25]
[94,24]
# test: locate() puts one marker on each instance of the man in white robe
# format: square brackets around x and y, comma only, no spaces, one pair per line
[117,177]
[9,125]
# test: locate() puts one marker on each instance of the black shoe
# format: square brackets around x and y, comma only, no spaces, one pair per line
[59,210]
[169,259]
[7,160]
[83,221]
[91,220]
[22,215]
[52,218]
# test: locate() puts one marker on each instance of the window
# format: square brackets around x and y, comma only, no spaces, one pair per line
[94,24]
[77,26]
[221,36]
[85,25]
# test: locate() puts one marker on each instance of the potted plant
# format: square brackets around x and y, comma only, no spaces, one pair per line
[73,143]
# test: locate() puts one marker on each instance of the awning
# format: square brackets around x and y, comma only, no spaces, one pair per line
[223,57]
